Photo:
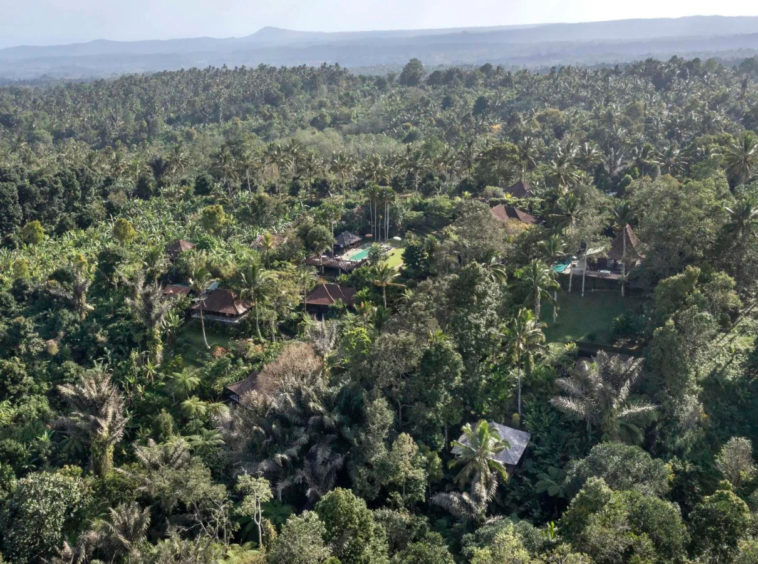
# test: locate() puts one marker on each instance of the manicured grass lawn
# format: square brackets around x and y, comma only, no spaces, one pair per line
[190,345]
[394,258]
[587,318]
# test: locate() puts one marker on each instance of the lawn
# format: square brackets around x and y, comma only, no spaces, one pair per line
[190,345]
[394,258]
[587,318]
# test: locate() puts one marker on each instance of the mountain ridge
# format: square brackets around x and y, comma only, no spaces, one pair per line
[526,45]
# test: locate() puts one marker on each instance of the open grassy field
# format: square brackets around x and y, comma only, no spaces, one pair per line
[587,318]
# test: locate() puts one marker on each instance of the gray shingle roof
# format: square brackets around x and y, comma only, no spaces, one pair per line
[518,441]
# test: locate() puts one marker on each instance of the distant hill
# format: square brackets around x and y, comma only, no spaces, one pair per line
[515,46]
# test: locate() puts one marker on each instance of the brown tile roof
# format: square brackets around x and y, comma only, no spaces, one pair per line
[520,190]
[505,213]
[247,385]
[176,290]
[222,302]
[633,252]
[329,294]
[179,247]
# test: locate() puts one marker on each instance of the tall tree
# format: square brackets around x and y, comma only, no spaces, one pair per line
[97,416]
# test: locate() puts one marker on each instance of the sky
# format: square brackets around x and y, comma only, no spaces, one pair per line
[50,22]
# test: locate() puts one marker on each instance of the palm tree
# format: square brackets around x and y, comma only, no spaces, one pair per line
[200,279]
[384,275]
[598,393]
[255,286]
[553,249]
[537,278]
[741,157]
[267,245]
[741,227]
[97,416]
[123,530]
[76,293]
[151,307]
[477,454]
[522,338]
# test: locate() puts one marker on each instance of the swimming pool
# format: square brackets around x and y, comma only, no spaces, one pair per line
[359,255]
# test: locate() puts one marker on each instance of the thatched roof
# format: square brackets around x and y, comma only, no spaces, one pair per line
[520,190]
[330,294]
[179,247]
[239,389]
[346,239]
[176,290]
[633,251]
[504,213]
[517,441]
[222,302]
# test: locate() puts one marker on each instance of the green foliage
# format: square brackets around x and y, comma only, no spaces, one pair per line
[351,531]
[42,509]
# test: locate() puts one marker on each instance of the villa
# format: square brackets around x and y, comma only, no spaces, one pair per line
[178,247]
[613,265]
[521,189]
[325,296]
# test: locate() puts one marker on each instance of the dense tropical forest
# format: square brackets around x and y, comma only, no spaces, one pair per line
[299,316]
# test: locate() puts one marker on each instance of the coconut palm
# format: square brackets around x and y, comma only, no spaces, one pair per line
[537,279]
[75,293]
[199,281]
[255,284]
[598,393]
[741,227]
[523,337]
[480,469]
[554,249]
[97,416]
[150,306]
[741,158]
[384,275]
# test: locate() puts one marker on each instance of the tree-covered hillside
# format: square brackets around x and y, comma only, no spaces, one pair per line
[297,315]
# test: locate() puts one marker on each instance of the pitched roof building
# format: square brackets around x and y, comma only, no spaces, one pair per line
[346,239]
[238,390]
[179,247]
[329,294]
[176,290]
[221,305]
[521,189]
[504,214]
[517,441]
[276,240]
[625,246]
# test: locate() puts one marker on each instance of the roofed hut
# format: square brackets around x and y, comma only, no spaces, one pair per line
[221,305]
[504,214]
[176,290]
[325,296]
[235,392]
[178,247]
[345,240]
[521,189]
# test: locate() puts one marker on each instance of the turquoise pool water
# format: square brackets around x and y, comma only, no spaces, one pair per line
[360,255]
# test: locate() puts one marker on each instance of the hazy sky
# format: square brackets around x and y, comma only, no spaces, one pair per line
[44,22]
